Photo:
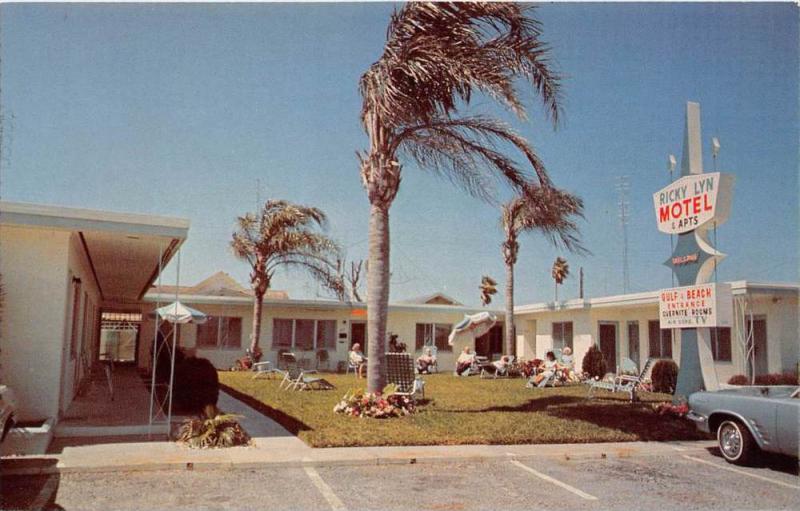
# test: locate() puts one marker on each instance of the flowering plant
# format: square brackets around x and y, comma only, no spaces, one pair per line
[679,410]
[380,405]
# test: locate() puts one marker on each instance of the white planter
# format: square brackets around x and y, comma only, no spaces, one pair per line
[28,440]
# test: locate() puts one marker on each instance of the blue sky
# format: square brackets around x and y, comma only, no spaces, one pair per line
[183,109]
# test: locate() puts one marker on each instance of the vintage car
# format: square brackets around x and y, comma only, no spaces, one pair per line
[746,419]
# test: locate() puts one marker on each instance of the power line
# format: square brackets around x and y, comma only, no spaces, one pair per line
[623,186]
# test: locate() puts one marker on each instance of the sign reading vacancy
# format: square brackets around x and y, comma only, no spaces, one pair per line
[693,201]
[705,305]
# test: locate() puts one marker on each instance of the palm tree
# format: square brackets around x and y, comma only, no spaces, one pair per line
[560,273]
[488,289]
[437,55]
[282,234]
[544,209]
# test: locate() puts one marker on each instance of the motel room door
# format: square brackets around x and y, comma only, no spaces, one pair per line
[760,346]
[608,345]
[358,334]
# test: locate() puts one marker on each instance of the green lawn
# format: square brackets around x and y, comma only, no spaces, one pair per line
[464,411]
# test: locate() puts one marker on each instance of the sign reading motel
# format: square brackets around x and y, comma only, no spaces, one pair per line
[692,201]
[705,305]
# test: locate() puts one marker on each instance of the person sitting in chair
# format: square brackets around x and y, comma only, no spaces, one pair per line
[465,361]
[357,359]
[567,365]
[549,368]
[426,361]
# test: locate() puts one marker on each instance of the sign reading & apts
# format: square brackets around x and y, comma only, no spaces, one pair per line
[692,201]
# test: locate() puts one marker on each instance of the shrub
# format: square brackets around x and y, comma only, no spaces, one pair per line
[787,378]
[212,429]
[196,385]
[739,379]
[777,379]
[664,376]
[594,365]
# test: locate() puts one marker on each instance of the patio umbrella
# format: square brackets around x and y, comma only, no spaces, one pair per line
[476,324]
[179,313]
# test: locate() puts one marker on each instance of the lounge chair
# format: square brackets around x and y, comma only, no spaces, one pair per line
[400,372]
[265,369]
[621,383]
[492,371]
[296,378]
[433,367]
[549,380]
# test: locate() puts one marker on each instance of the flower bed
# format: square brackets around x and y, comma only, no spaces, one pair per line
[357,403]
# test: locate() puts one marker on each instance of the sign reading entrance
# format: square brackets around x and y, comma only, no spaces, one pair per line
[705,305]
[692,201]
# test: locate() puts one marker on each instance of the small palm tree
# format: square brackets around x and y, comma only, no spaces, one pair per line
[437,55]
[488,289]
[282,234]
[545,209]
[560,272]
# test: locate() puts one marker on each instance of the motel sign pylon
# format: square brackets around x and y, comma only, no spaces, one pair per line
[691,207]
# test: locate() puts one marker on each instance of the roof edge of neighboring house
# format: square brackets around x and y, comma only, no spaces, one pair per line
[310,304]
[738,287]
[79,219]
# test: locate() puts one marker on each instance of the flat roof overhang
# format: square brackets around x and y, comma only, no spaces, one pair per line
[123,249]
[650,298]
[311,304]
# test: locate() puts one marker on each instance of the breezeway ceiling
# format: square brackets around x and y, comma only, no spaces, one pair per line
[124,264]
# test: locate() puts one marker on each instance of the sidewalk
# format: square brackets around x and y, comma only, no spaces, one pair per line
[274,446]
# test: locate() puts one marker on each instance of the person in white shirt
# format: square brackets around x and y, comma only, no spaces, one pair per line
[358,359]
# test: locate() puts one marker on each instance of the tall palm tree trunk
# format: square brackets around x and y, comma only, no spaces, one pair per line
[255,337]
[510,342]
[377,296]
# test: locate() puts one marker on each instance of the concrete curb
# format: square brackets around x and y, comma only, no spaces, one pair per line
[50,465]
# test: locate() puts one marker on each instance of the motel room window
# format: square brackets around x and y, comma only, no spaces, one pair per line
[660,340]
[721,344]
[304,334]
[220,332]
[326,334]
[562,335]
[633,341]
[433,334]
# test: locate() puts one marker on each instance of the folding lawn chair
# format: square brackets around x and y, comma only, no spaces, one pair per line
[400,372]
[296,378]
[621,383]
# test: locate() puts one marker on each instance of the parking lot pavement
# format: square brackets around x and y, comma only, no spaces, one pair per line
[686,479]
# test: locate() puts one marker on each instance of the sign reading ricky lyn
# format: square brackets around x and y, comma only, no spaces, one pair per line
[692,201]
[705,305]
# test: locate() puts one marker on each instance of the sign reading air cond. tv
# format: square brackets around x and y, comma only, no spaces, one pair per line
[692,201]
[705,305]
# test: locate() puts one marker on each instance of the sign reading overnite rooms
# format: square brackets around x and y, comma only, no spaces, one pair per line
[692,201]
[705,305]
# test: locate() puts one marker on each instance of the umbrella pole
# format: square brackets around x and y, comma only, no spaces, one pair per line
[155,345]
[174,338]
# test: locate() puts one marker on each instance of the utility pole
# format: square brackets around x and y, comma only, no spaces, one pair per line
[623,186]
[580,286]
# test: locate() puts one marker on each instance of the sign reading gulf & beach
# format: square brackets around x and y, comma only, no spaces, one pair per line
[706,305]
[693,201]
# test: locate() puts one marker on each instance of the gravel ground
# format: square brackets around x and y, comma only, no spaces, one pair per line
[646,482]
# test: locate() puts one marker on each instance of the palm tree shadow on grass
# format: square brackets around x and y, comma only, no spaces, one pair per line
[539,404]
[637,419]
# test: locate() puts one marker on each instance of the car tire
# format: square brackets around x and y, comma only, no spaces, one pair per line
[735,442]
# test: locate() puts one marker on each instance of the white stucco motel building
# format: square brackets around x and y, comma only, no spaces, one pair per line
[79,285]
[766,315]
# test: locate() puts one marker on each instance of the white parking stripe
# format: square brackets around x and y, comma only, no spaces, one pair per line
[42,499]
[755,476]
[324,489]
[556,482]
